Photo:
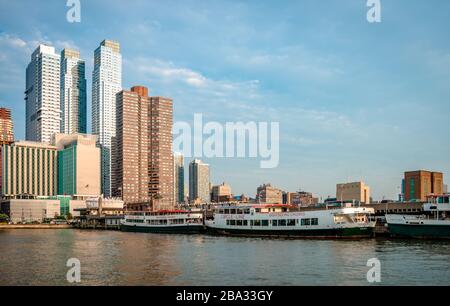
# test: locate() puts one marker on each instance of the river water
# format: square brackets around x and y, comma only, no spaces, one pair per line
[39,257]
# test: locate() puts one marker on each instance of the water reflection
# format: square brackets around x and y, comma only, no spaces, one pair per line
[38,257]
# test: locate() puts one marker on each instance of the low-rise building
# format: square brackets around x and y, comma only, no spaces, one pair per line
[301,198]
[31,210]
[356,191]
[221,193]
[420,184]
[267,194]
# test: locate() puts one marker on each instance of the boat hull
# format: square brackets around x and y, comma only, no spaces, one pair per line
[422,231]
[185,229]
[336,233]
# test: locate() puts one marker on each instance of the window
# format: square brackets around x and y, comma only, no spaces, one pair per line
[232,222]
[274,222]
[256,222]
[245,222]
[314,221]
[265,222]
[306,222]
[291,222]
[281,222]
[239,222]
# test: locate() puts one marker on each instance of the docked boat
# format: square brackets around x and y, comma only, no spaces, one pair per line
[166,221]
[434,223]
[287,221]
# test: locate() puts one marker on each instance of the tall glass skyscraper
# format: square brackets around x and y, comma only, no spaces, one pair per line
[42,95]
[73,93]
[178,177]
[199,182]
[106,83]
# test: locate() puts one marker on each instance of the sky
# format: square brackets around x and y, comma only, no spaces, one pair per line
[355,100]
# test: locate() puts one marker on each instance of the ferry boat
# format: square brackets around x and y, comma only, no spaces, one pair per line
[433,224]
[279,220]
[165,221]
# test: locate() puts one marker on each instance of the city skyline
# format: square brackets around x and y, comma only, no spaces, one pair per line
[342,118]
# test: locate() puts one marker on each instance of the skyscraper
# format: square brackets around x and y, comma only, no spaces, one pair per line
[42,95]
[78,164]
[6,127]
[106,83]
[160,153]
[73,93]
[178,177]
[130,179]
[199,181]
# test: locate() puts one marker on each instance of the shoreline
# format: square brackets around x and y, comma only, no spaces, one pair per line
[35,226]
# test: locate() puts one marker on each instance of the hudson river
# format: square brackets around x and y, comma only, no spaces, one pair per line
[39,257]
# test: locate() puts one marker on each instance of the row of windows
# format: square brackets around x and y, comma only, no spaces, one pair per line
[282,222]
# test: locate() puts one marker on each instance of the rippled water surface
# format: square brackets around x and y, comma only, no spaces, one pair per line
[38,257]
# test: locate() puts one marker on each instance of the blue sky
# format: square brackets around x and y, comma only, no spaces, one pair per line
[354,100]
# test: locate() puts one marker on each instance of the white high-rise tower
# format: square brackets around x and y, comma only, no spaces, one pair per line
[106,83]
[42,95]
[73,93]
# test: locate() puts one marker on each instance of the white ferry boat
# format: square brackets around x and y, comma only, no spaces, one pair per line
[166,221]
[434,223]
[284,221]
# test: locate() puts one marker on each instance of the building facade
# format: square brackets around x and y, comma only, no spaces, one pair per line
[73,93]
[29,168]
[221,193]
[160,167]
[106,83]
[31,210]
[419,184]
[6,134]
[42,95]
[130,179]
[6,127]
[267,194]
[356,191]
[178,178]
[78,164]
[301,198]
[199,184]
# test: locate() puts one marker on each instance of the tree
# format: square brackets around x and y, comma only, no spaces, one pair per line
[3,218]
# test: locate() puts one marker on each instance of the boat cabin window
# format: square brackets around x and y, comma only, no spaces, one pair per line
[443,200]
[313,221]
[291,222]
[282,222]
[239,222]
[255,222]
[274,222]
[265,222]
[232,211]
[245,223]
[227,212]
[258,210]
